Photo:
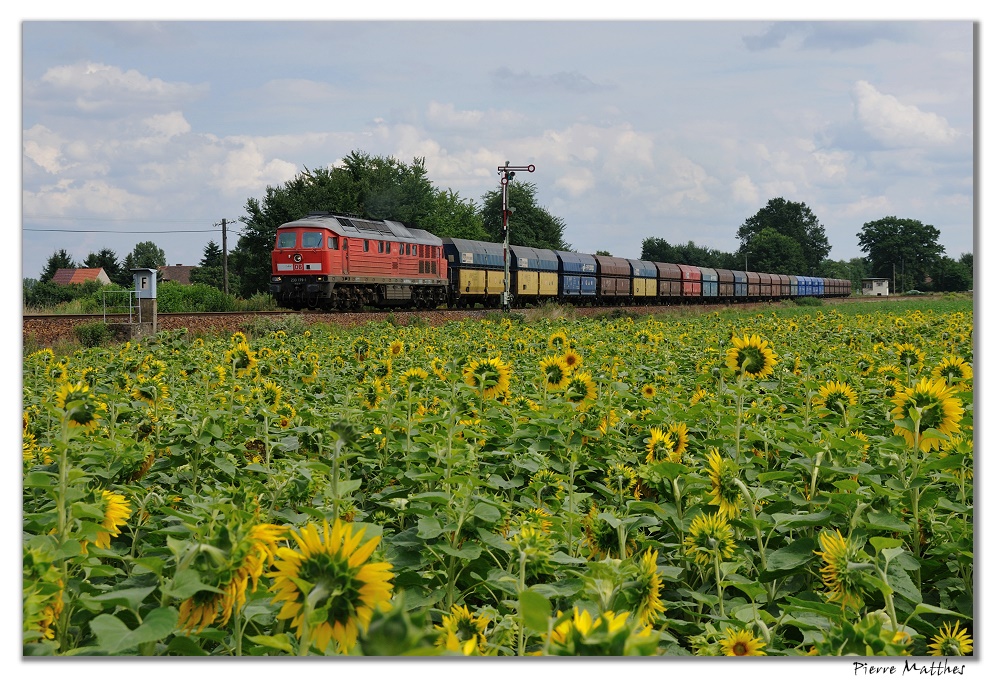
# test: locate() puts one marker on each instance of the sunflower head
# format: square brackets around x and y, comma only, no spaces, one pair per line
[79,405]
[938,407]
[950,641]
[461,631]
[555,373]
[909,356]
[581,390]
[327,584]
[491,377]
[843,583]
[742,643]
[572,360]
[660,446]
[726,493]
[707,535]
[751,356]
[835,396]
[953,369]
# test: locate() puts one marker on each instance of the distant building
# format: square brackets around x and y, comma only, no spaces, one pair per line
[80,275]
[176,273]
[874,286]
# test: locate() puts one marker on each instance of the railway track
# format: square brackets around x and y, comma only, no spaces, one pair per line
[44,329]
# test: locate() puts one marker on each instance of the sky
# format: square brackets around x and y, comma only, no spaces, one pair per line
[682,129]
[672,126]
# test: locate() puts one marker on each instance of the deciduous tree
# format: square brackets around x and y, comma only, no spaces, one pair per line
[795,221]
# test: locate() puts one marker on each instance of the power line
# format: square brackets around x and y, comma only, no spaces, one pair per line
[30,229]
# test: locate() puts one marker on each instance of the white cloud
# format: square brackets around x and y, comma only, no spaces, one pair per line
[744,191]
[91,197]
[896,124]
[168,125]
[95,87]
[43,147]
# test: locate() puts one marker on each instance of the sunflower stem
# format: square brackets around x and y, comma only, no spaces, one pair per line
[752,503]
[718,583]
[522,563]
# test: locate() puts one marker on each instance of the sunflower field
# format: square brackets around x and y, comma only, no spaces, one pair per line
[792,482]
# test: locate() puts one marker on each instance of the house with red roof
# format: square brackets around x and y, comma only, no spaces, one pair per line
[80,276]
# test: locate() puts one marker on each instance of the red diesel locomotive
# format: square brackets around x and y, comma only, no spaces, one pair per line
[333,262]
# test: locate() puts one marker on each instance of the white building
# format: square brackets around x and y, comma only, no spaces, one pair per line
[874,286]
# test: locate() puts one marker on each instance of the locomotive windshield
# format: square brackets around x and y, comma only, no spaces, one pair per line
[286,240]
[312,240]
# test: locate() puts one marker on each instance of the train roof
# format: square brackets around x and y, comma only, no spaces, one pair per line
[349,226]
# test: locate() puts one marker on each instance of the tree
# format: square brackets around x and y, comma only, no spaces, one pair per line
[793,220]
[952,275]
[59,259]
[144,255]
[529,223]
[375,187]
[966,260]
[658,250]
[602,252]
[902,250]
[209,270]
[855,270]
[772,251]
[107,259]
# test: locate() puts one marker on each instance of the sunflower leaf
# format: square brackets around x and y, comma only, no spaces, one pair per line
[113,636]
[535,610]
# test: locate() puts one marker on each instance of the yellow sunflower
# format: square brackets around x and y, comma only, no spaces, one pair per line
[241,357]
[116,513]
[396,348]
[558,341]
[491,377]
[414,379]
[742,643]
[79,404]
[581,390]
[842,583]
[723,474]
[660,446]
[649,391]
[835,396]
[708,534]
[330,574]
[572,360]
[698,396]
[751,356]
[556,373]
[237,559]
[678,432]
[950,641]
[461,631]
[648,586]
[939,409]
[909,356]
[953,369]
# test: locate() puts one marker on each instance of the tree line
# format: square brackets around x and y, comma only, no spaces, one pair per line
[783,236]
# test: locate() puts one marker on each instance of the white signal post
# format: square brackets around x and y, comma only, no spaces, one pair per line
[506,172]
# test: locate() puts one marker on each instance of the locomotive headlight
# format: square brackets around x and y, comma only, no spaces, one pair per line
[297,258]
[275,278]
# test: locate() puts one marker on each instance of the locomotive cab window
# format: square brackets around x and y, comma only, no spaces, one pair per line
[365,247]
[312,240]
[286,240]
[332,243]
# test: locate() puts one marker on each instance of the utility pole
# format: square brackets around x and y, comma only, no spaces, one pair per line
[506,172]
[225,258]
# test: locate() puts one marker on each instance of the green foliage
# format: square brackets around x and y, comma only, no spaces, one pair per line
[659,250]
[145,255]
[93,334]
[258,327]
[770,251]
[795,221]
[809,302]
[172,297]
[529,224]
[902,250]
[107,259]
[59,259]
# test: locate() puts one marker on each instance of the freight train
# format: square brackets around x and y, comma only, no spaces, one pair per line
[335,262]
